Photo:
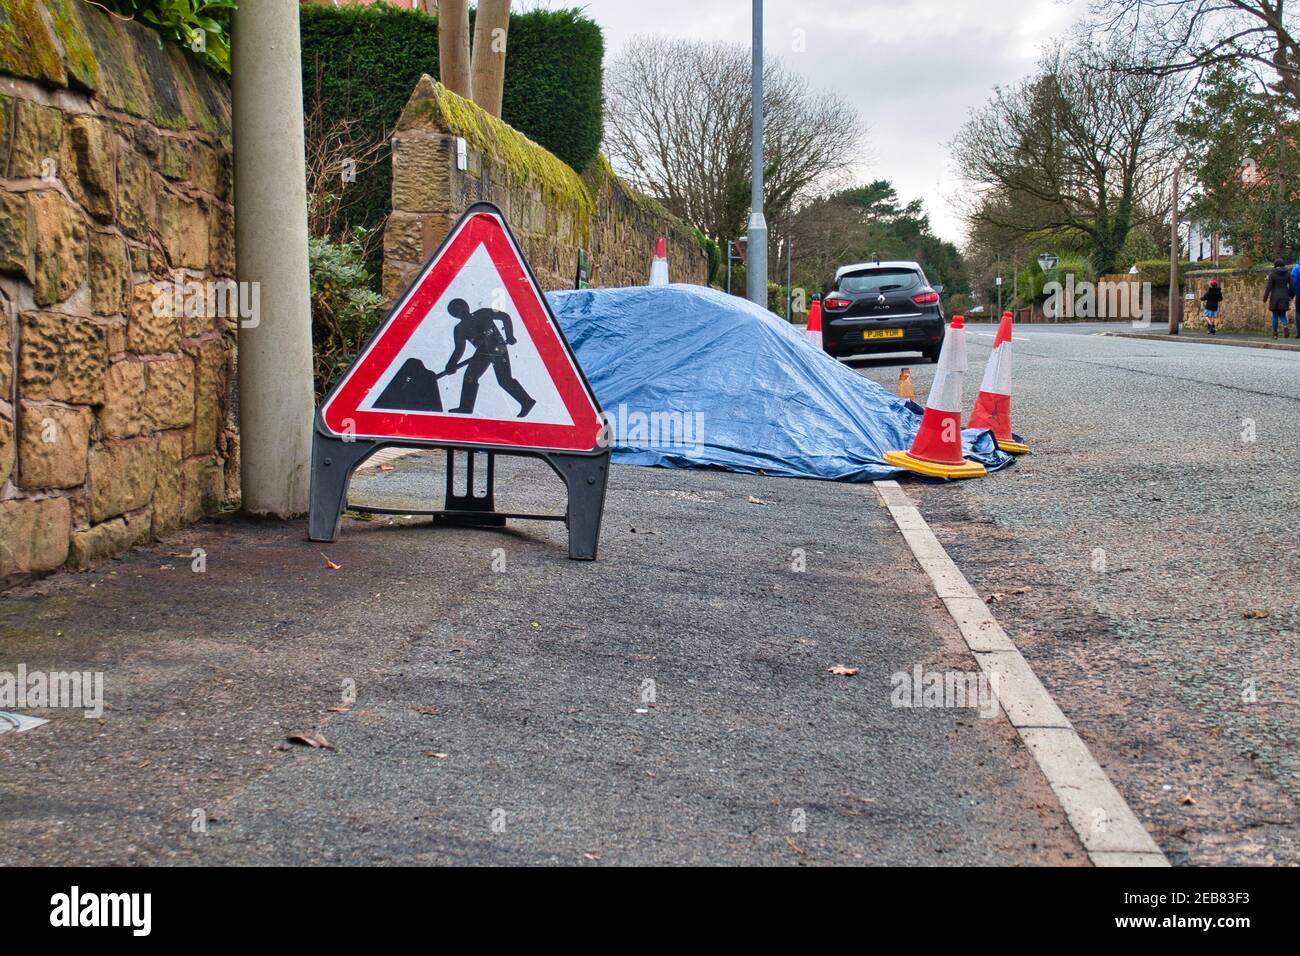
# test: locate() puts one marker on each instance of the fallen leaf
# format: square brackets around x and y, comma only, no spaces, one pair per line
[795,846]
[425,711]
[841,670]
[1187,800]
[435,755]
[995,597]
[387,468]
[330,564]
[594,857]
[1257,615]
[310,738]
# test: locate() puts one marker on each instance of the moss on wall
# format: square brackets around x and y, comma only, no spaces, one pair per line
[78,55]
[26,47]
[505,146]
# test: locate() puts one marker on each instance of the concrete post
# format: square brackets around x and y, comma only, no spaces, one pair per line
[276,399]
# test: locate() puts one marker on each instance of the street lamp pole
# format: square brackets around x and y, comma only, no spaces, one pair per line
[1175,293]
[756,264]
[789,273]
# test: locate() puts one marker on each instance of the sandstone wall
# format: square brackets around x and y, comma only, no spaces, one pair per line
[1243,308]
[552,211]
[115,175]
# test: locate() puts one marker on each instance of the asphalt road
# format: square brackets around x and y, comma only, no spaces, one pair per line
[506,715]
[1157,511]
[501,715]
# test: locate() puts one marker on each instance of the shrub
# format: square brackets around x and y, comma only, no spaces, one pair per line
[200,25]
[344,310]
[712,252]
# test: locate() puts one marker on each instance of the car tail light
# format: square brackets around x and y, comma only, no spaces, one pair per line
[926,298]
[835,304]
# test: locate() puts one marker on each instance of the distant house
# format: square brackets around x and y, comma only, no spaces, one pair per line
[1205,245]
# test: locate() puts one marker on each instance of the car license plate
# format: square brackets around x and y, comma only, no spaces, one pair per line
[883,334]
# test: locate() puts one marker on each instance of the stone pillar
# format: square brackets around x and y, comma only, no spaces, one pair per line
[276,399]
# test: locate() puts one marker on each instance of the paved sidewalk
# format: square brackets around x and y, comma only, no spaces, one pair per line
[531,682]
[1222,338]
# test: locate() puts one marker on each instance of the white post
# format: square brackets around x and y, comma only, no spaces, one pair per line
[276,399]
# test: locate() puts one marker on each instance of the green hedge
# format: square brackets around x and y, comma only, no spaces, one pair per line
[368,59]
[712,252]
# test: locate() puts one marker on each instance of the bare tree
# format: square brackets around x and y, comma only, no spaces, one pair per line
[453,46]
[488,65]
[1191,35]
[677,124]
[1079,149]
[338,150]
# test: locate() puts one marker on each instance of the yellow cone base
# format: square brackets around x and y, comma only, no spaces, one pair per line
[967,469]
[1013,447]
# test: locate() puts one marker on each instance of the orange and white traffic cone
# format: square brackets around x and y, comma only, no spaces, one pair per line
[936,451]
[659,267]
[905,387]
[993,405]
[814,329]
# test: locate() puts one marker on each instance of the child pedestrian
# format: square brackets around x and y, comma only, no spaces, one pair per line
[1213,298]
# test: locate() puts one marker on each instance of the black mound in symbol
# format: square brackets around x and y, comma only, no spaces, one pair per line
[415,388]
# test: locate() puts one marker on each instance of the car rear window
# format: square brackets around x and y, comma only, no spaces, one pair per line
[878,280]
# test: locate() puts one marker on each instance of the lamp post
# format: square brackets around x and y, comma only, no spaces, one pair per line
[756,256]
[1175,302]
[1048,262]
[789,273]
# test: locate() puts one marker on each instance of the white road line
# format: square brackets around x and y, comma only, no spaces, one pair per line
[1107,827]
[1015,335]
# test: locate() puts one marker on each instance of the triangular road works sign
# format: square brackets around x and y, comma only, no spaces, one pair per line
[471,355]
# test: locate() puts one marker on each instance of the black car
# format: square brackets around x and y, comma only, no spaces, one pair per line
[882,307]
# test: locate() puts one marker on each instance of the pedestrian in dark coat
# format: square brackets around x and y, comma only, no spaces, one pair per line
[1278,293]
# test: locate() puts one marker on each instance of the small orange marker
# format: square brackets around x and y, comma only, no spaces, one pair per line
[905,387]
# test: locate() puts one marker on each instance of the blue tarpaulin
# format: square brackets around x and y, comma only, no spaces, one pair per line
[691,377]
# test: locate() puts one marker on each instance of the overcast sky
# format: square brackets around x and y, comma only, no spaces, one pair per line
[913,68]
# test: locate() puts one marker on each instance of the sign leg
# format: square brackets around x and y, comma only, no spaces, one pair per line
[332,463]
[470,510]
[587,477]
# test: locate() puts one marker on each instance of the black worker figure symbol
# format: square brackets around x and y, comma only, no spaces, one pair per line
[479,331]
